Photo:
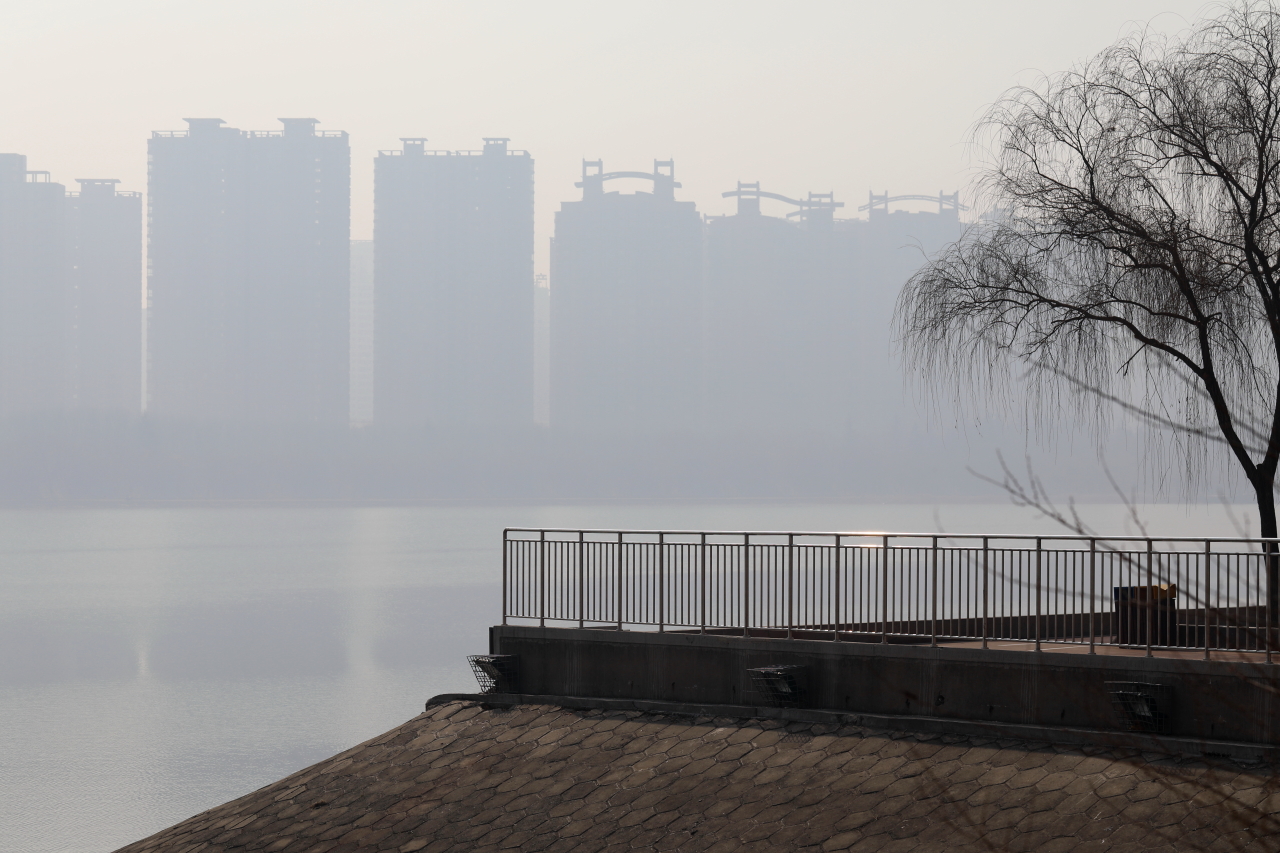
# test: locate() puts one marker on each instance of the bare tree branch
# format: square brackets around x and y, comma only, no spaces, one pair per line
[1138,257]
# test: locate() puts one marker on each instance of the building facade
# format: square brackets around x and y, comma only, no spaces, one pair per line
[454,288]
[37,342]
[248,279]
[106,275]
[362,325]
[780,295]
[626,307]
[70,295]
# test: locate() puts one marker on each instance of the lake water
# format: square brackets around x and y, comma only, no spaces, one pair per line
[155,662]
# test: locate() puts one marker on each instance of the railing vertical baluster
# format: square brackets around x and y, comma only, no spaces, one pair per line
[1039,561]
[582,584]
[986,595]
[791,586]
[662,583]
[542,578]
[1151,593]
[1093,593]
[884,591]
[746,584]
[933,608]
[1208,594]
[839,601]
[702,581]
[1271,596]
[505,534]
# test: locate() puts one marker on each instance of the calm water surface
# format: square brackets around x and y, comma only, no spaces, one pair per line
[156,662]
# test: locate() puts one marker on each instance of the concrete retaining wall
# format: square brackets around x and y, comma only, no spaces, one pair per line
[1212,700]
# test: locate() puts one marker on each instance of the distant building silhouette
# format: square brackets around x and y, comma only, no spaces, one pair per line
[782,295]
[106,259]
[799,311]
[895,244]
[453,277]
[626,307]
[70,295]
[249,242]
[37,342]
[541,350]
[362,325]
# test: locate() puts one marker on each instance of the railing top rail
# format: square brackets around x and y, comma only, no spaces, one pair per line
[880,534]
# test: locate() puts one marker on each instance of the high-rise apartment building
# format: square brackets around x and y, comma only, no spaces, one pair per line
[249,246]
[454,289]
[778,318]
[106,275]
[70,295]
[799,311]
[626,307]
[362,320]
[37,344]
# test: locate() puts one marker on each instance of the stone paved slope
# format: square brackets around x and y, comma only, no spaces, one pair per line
[537,778]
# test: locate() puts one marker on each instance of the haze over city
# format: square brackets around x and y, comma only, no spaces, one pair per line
[824,98]
[356,356]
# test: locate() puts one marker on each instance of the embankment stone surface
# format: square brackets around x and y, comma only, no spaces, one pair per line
[463,777]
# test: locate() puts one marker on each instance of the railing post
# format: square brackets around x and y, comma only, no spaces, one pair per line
[933,604]
[986,595]
[1093,592]
[505,534]
[702,581]
[1151,592]
[835,555]
[618,596]
[884,591]
[1208,593]
[581,583]
[1039,560]
[746,585]
[791,585]
[1271,596]
[542,579]
[662,583]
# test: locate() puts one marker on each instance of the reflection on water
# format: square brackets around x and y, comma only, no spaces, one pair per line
[156,662]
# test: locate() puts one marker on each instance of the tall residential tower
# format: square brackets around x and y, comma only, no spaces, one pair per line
[248,281]
[106,255]
[37,343]
[454,289]
[626,307]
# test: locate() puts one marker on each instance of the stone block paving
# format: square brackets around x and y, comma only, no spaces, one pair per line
[464,777]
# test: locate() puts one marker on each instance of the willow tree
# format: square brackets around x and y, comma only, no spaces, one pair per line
[1138,236]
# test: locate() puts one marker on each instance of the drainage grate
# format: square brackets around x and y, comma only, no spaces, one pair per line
[1142,707]
[496,673]
[779,686]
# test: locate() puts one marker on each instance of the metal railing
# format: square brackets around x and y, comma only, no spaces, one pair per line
[1202,594]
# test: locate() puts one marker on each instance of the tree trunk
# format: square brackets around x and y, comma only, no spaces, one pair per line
[1266,496]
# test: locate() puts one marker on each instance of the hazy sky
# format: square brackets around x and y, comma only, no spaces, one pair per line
[844,96]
